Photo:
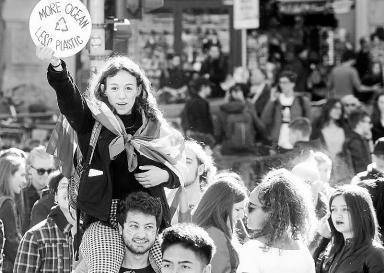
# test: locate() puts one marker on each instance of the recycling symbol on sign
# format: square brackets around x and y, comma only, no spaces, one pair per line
[61,25]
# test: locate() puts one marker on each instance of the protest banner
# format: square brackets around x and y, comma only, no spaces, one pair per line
[63,25]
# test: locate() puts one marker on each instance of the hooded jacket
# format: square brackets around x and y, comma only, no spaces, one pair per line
[238,107]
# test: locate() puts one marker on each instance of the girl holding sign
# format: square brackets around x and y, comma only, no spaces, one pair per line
[135,149]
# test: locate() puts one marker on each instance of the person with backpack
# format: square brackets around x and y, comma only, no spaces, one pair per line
[239,127]
[12,179]
[282,108]
[196,119]
[126,146]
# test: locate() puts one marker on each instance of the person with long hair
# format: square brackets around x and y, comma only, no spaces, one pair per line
[355,245]
[220,208]
[12,180]
[378,117]
[280,215]
[135,149]
[331,129]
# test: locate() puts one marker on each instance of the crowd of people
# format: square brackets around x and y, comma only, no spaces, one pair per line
[118,189]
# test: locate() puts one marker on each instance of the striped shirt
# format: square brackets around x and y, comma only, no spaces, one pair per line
[46,247]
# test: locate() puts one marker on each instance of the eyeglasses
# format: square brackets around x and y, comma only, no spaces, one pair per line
[41,171]
[350,105]
[284,82]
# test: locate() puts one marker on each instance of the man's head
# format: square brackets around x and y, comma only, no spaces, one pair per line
[360,122]
[58,186]
[39,165]
[186,248]
[237,93]
[214,52]
[378,154]
[348,57]
[202,87]
[287,81]
[299,130]
[176,61]
[139,217]
[350,104]
[200,164]
[364,45]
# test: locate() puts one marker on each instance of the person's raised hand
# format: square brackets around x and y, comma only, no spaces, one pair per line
[47,54]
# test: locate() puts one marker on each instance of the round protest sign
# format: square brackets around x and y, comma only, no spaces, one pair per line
[63,25]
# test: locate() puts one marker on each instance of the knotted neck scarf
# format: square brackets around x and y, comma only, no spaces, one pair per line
[128,142]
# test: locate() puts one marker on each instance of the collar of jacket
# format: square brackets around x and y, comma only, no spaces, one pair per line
[45,192]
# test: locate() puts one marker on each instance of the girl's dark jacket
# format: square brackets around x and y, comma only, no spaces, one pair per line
[367,259]
[114,180]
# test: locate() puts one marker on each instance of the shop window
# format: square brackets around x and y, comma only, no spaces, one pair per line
[201,28]
[151,41]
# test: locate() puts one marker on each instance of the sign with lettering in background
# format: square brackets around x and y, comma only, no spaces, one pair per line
[63,25]
[245,14]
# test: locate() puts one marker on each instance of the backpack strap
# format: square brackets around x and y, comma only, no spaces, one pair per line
[82,169]
[81,163]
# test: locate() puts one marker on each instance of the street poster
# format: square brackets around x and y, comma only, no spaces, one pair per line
[246,14]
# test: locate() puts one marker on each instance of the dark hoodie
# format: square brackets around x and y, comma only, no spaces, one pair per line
[238,107]
[196,115]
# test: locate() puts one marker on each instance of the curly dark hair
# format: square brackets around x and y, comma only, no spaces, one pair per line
[288,204]
[141,202]
[145,101]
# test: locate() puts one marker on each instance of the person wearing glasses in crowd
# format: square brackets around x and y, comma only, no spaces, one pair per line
[12,180]
[48,246]
[282,108]
[39,166]
[280,213]
[218,212]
